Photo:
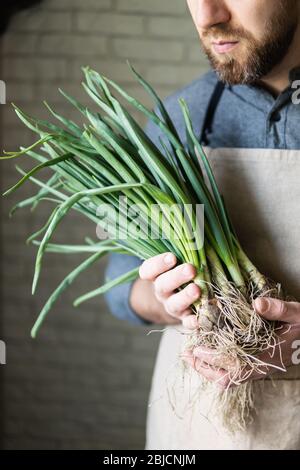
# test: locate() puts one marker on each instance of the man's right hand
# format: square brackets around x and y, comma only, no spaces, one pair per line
[155,297]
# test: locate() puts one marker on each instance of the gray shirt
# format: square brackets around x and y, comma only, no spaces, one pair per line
[246,117]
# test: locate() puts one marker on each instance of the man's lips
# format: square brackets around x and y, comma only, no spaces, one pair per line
[221,47]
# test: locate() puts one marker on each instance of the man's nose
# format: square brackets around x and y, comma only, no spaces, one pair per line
[211,12]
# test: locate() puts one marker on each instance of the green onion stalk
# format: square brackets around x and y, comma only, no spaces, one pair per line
[111,157]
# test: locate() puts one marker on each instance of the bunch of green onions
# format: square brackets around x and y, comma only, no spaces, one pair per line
[111,156]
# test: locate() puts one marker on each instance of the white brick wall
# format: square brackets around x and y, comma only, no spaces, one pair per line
[72,387]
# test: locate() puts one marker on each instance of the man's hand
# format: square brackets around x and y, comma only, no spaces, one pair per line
[154,295]
[213,366]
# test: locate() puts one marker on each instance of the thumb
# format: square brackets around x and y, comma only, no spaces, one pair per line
[277,310]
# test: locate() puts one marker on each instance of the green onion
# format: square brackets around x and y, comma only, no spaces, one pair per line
[110,156]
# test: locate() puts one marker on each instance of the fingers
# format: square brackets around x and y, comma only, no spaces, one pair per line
[168,282]
[226,372]
[217,375]
[215,359]
[153,267]
[167,278]
[190,322]
[176,304]
[278,310]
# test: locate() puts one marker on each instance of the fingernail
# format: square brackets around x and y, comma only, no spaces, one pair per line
[192,290]
[187,270]
[169,259]
[262,304]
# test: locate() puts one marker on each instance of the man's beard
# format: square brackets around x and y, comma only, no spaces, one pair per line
[261,56]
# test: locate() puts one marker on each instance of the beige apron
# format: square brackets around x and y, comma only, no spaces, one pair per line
[262,191]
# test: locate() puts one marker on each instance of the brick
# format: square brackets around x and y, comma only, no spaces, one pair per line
[78,5]
[109,23]
[8,143]
[33,68]
[13,443]
[169,7]
[19,91]
[41,20]
[50,93]
[195,54]
[153,50]
[171,27]
[75,45]
[17,43]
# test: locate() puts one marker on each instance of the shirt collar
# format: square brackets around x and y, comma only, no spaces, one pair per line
[261,98]
[294,74]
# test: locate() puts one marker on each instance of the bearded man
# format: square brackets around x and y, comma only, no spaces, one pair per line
[246,114]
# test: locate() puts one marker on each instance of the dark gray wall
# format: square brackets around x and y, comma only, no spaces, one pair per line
[84,382]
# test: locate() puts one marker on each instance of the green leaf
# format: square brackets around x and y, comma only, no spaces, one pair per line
[220,229]
[79,249]
[62,211]
[124,278]
[160,105]
[68,280]
[9,155]
[73,128]
[36,169]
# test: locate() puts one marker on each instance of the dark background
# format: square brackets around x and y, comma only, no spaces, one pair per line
[84,382]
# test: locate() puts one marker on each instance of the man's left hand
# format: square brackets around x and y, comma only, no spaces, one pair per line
[217,368]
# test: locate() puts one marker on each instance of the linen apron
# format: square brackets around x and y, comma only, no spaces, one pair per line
[262,192]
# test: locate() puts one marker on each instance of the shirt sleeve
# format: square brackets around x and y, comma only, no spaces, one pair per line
[118,297]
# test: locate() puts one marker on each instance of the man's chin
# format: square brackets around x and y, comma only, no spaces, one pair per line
[233,73]
[231,70]
[223,61]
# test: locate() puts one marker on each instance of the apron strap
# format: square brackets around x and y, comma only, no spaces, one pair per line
[210,113]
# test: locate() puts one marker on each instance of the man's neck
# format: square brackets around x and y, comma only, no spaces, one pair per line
[278,79]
